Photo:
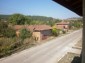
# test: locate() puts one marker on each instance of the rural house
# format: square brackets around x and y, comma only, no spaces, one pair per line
[63,25]
[39,32]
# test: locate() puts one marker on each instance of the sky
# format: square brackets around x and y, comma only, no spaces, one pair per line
[35,7]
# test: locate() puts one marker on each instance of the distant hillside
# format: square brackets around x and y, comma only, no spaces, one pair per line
[41,18]
[33,18]
[75,18]
[4,16]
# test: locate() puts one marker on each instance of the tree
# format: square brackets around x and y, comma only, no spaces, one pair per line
[27,20]
[76,24]
[5,30]
[24,33]
[0,18]
[17,19]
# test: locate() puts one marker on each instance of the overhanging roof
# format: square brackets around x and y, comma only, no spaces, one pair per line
[73,5]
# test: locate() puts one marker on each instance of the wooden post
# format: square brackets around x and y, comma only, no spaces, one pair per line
[83,44]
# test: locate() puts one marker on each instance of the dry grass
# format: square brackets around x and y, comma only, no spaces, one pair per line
[12,45]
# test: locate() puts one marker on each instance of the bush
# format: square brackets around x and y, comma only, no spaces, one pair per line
[9,32]
[3,27]
[55,32]
[63,31]
[8,45]
[5,31]
[25,34]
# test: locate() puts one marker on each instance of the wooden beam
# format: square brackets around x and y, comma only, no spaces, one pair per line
[76,3]
[68,4]
[83,44]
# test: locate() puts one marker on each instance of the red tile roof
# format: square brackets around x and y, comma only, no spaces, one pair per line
[32,27]
[18,27]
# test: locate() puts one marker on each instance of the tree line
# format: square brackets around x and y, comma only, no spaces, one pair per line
[30,20]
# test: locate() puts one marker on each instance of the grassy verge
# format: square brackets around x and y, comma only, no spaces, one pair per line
[9,46]
[71,58]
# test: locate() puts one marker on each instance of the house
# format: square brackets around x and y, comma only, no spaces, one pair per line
[39,32]
[63,25]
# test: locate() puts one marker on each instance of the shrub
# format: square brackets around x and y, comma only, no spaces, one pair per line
[55,32]
[25,34]
[9,32]
[5,31]
[3,27]
[63,31]
[9,45]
